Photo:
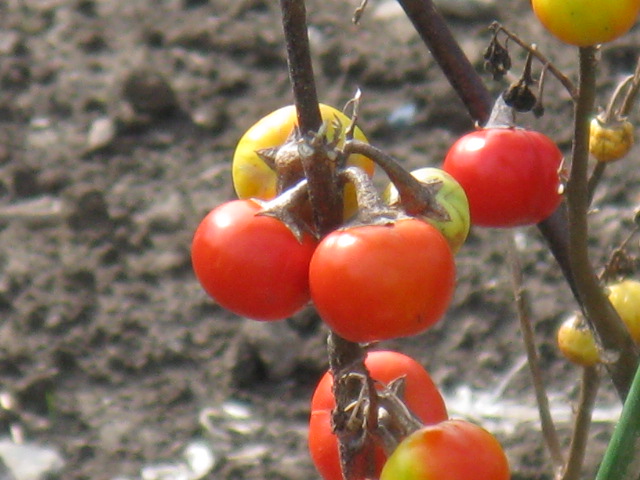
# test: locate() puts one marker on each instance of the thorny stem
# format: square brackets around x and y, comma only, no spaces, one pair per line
[599,313]
[580,434]
[556,235]
[434,32]
[594,179]
[286,208]
[300,69]
[531,49]
[345,356]
[475,96]
[524,315]
[323,193]
[395,421]
[573,261]
[346,359]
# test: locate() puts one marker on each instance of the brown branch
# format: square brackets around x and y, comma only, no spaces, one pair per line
[600,314]
[417,199]
[294,22]
[352,384]
[435,33]
[632,94]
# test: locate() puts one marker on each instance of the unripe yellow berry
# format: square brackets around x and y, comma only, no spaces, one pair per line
[610,142]
[576,342]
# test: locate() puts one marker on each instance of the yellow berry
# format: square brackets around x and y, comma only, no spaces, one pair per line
[254,178]
[610,142]
[576,342]
[625,298]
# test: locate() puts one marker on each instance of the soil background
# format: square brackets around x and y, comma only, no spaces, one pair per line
[118,121]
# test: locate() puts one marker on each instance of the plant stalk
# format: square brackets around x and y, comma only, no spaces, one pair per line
[326,202]
[580,435]
[294,21]
[532,50]
[622,359]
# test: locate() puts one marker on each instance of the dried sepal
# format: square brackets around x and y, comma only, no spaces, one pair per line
[497,60]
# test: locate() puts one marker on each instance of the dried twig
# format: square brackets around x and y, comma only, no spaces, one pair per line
[548,65]
[524,315]
[580,434]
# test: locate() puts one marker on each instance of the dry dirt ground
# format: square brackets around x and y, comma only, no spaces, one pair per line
[118,120]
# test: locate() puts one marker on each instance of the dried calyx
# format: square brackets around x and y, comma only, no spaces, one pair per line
[519,95]
[291,207]
[285,161]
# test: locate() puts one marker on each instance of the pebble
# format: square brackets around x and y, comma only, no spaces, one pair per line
[198,460]
[29,461]
[403,116]
[101,133]
[166,214]
[236,410]
[266,340]
[230,417]
[210,118]
[40,211]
